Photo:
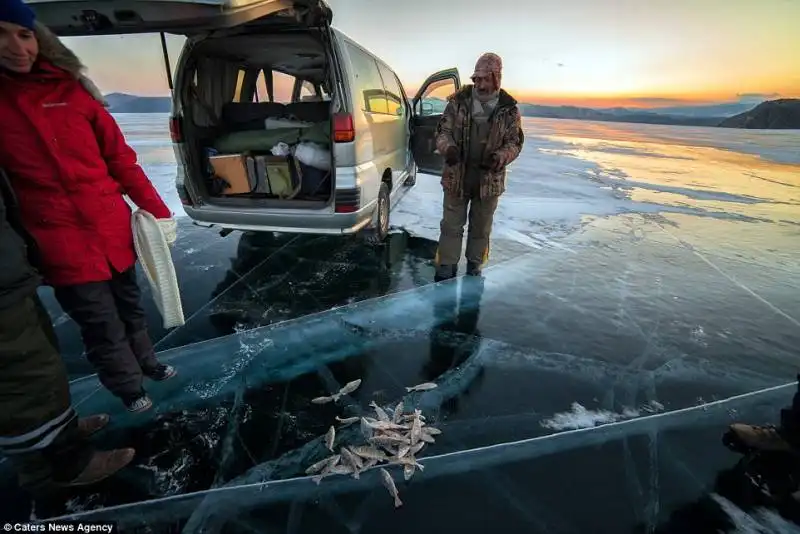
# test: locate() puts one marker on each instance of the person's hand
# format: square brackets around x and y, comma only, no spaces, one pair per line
[493,162]
[452,156]
[170,230]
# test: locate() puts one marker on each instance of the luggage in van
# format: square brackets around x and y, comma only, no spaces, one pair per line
[233,169]
[274,176]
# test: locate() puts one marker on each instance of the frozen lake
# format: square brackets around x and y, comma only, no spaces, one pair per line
[643,294]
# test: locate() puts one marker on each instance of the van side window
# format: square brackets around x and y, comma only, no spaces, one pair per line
[368,81]
[394,93]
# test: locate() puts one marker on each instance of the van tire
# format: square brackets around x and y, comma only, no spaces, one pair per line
[377,233]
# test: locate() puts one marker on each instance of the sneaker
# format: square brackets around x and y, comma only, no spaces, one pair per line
[87,426]
[162,372]
[139,404]
[102,465]
[762,438]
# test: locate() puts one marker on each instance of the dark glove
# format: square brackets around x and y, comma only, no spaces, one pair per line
[452,156]
[493,162]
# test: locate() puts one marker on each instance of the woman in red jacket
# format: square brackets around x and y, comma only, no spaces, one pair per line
[70,166]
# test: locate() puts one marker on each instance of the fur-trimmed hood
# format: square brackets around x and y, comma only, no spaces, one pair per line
[53,50]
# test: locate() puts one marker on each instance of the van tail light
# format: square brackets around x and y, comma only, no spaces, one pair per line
[343,129]
[175,129]
[347,200]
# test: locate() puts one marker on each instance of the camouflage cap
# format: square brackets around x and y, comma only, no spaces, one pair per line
[490,64]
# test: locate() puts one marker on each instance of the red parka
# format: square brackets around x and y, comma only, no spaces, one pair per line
[70,166]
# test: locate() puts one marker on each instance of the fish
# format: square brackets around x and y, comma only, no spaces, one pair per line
[432,431]
[372,462]
[341,469]
[366,430]
[422,387]
[382,415]
[398,412]
[370,453]
[352,458]
[333,461]
[407,460]
[426,438]
[319,466]
[388,481]
[349,388]
[322,400]
[416,431]
[347,420]
[416,448]
[386,425]
[408,471]
[403,450]
[330,436]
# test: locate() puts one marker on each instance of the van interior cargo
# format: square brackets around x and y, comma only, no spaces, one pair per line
[257,114]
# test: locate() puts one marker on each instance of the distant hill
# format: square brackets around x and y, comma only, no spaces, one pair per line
[122,103]
[779,114]
[615,115]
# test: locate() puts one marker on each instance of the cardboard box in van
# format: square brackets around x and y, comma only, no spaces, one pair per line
[233,169]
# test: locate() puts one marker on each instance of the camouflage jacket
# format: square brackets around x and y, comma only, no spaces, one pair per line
[505,139]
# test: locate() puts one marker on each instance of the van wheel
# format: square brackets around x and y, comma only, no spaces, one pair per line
[377,234]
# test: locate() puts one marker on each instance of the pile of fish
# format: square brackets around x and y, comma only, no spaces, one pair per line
[392,437]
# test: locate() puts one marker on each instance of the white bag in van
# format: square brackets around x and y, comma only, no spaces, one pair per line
[313,155]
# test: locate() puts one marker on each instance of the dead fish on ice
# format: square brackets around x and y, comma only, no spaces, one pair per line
[408,471]
[322,464]
[352,460]
[388,481]
[370,453]
[348,388]
[329,437]
[416,430]
[398,412]
[407,460]
[385,425]
[322,400]
[347,420]
[382,415]
[422,387]
[433,431]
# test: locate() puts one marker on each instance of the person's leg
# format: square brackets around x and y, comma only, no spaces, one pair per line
[93,308]
[127,296]
[454,217]
[35,413]
[481,218]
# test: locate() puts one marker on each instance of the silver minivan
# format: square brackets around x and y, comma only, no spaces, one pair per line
[256,79]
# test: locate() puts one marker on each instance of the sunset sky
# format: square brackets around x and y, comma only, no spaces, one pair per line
[582,52]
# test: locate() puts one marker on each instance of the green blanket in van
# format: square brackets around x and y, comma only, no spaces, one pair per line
[264,140]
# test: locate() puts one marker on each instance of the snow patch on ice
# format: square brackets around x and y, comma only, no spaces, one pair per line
[581,417]
[760,521]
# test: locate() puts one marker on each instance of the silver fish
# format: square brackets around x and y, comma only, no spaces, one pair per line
[329,438]
[319,466]
[333,461]
[322,400]
[431,431]
[349,388]
[341,469]
[407,460]
[352,458]
[372,462]
[403,450]
[370,453]
[388,481]
[398,412]
[426,438]
[416,431]
[386,425]
[408,471]
[382,415]
[416,448]
[422,387]
[366,430]
[347,420]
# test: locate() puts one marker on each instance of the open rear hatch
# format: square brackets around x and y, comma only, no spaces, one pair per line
[185,17]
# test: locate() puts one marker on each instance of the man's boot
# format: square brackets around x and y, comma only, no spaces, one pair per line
[474,269]
[445,272]
[102,465]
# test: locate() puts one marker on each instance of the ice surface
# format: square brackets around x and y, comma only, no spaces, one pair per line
[652,275]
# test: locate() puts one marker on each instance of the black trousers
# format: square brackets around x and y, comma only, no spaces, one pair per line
[114,330]
[38,427]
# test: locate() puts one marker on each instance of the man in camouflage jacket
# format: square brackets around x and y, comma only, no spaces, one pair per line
[480,134]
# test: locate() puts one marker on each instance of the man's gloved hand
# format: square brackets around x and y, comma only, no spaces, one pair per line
[452,156]
[170,230]
[493,162]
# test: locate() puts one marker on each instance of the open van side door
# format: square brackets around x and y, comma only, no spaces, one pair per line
[428,106]
[182,17]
